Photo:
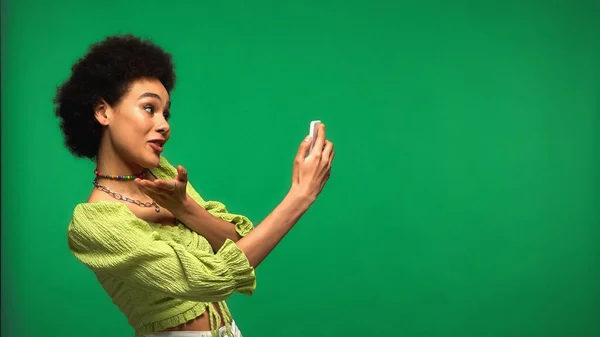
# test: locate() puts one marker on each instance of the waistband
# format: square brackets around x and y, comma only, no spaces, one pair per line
[222,332]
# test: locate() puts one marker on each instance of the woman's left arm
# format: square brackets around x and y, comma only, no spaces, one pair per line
[212,226]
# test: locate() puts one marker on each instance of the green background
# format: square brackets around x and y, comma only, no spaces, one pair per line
[463,198]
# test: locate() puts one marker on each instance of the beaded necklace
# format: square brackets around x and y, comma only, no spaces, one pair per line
[118,177]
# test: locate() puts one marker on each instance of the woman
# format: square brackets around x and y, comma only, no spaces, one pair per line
[167,258]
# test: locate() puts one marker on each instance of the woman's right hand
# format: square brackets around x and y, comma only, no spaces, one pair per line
[308,178]
[311,172]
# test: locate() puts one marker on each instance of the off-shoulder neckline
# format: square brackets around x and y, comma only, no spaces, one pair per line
[157,172]
[96,206]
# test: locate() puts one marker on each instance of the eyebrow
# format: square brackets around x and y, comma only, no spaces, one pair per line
[151,94]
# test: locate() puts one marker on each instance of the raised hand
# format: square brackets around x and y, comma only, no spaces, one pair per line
[170,194]
[311,173]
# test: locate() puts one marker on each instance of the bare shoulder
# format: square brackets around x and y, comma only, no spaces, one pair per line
[97,195]
[149,214]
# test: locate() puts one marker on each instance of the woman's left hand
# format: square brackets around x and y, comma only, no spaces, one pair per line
[170,194]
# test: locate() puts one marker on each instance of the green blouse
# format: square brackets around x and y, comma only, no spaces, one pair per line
[160,276]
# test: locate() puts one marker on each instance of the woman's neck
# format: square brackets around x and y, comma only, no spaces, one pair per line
[115,166]
[108,162]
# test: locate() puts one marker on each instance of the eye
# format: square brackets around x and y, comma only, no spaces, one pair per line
[149,108]
[167,115]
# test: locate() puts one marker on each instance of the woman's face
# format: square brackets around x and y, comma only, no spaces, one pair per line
[138,127]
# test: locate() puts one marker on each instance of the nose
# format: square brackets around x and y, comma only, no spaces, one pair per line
[162,125]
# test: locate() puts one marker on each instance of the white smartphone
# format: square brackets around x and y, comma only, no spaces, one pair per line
[314,130]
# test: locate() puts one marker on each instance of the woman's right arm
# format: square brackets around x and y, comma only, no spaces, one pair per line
[308,179]
[108,238]
[309,175]
[257,244]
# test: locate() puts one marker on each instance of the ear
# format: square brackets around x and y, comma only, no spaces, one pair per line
[102,112]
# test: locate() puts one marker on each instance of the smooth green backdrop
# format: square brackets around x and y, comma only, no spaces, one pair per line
[465,191]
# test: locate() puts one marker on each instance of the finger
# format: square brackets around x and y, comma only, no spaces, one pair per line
[327,150]
[302,152]
[151,188]
[165,185]
[145,188]
[182,174]
[324,181]
[331,159]
[303,149]
[143,183]
[320,141]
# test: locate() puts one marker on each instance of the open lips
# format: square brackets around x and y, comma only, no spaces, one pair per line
[157,144]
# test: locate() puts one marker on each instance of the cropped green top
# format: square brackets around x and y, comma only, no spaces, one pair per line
[160,276]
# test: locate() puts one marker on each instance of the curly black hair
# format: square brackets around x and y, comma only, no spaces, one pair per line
[106,72]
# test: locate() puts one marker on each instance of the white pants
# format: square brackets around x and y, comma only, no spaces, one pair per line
[222,333]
